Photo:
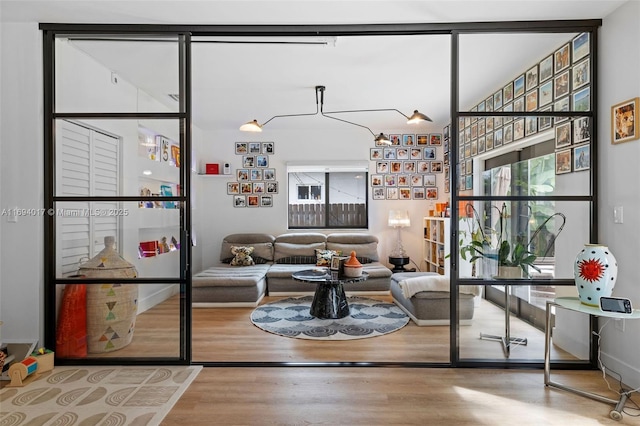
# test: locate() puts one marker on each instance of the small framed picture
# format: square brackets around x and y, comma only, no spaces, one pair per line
[418,193]
[580,46]
[446,173]
[253,201]
[480,107]
[497,100]
[382,167]
[401,154]
[375,153]
[518,86]
[390,180]
[423,167]
[409,167]
[242,148]
[580,74]
[445,131]
[488,105]
[389,153]
[508,134]
[408,140]
[469,166]
[561,85]
[581,131]
[335,262]
[262,161]
[447,186]
[416,180]
[561,58]
[403,180]
[429,180]
[532,78]
[530,126]
[378,193]
[242,174]
[563,135]
[233,188]
[581,158]
[436,166]
[256,174]
[269,174]
[489,141]
[518,104]
[432,193]
[429,154]
[561,105]
[507,93]
[545,123]
[435,139]
[474,148]
[531,101]
[469,182]
[396,166]
[624,121]
[507,108]
[422,139]
[518,130]
[416,154]
[481,145]
[272,187]
[392,193]
[266,201]
[248,161]
[545,68]
[563,161]
[246,188]
[258,187]
[376,180]
[404,193]
[268,148]
[545,93]
[395,139]
[255,148]
[239,201]
[582,100]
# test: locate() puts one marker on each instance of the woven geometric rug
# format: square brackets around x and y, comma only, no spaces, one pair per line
[290,318]
[96,395]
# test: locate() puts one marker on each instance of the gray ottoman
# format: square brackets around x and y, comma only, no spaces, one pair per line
[430,307]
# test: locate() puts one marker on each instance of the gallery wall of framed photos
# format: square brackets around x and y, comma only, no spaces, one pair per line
[255,181]
[558,82]
[409,168]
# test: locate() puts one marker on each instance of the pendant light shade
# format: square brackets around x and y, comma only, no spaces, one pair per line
[417,117]
[382,139]
[251,126]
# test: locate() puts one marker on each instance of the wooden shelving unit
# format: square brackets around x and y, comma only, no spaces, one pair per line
[436,245]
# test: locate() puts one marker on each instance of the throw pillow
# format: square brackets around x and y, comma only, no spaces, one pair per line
[242,256]
[323,257]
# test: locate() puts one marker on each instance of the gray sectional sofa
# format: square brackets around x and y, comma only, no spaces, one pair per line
[276,258]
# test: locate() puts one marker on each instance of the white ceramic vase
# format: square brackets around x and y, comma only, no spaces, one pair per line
[595,271]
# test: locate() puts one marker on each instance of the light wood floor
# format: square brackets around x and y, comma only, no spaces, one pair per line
[227,335]
[389,396]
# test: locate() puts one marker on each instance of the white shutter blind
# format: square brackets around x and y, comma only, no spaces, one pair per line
[87,164]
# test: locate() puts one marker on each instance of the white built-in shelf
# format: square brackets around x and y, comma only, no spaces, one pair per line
[218,175]
[158,218]
[160,171]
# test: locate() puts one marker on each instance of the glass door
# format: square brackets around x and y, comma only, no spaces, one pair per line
[117,197]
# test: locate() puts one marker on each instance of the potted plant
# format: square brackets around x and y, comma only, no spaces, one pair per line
[513,260]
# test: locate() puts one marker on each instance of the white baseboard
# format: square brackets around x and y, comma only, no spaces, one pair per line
[158,297]
[630,374]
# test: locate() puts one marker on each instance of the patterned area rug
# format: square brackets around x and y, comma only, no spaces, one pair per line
[290,318]
[90,395]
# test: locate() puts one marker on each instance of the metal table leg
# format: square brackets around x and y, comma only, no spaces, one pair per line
[506,340]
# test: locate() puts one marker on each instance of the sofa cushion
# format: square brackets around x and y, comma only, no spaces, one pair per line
[262,246]
[297,245]
[365,245]
[323,257]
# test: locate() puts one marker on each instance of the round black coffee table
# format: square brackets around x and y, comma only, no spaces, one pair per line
[329,300]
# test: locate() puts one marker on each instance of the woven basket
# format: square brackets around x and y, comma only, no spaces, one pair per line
[111,308]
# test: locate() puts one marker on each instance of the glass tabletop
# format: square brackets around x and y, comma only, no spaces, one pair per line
[326,275]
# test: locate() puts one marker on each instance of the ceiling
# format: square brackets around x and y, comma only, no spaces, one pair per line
[234,83]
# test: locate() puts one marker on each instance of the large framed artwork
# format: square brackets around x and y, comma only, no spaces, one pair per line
[624,121]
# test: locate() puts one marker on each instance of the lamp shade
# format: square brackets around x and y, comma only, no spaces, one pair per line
[251,126]
[417,117]
[399,218]
[382,139]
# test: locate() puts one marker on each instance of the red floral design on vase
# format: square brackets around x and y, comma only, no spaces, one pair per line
[591,270]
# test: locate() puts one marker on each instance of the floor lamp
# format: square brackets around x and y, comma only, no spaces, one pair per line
[398,258]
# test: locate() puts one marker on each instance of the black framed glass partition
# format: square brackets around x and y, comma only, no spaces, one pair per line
[517,154]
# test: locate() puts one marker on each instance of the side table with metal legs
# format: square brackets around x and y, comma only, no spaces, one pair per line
[507,340]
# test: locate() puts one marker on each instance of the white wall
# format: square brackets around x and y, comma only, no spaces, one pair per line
[619,68]
[343,142]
